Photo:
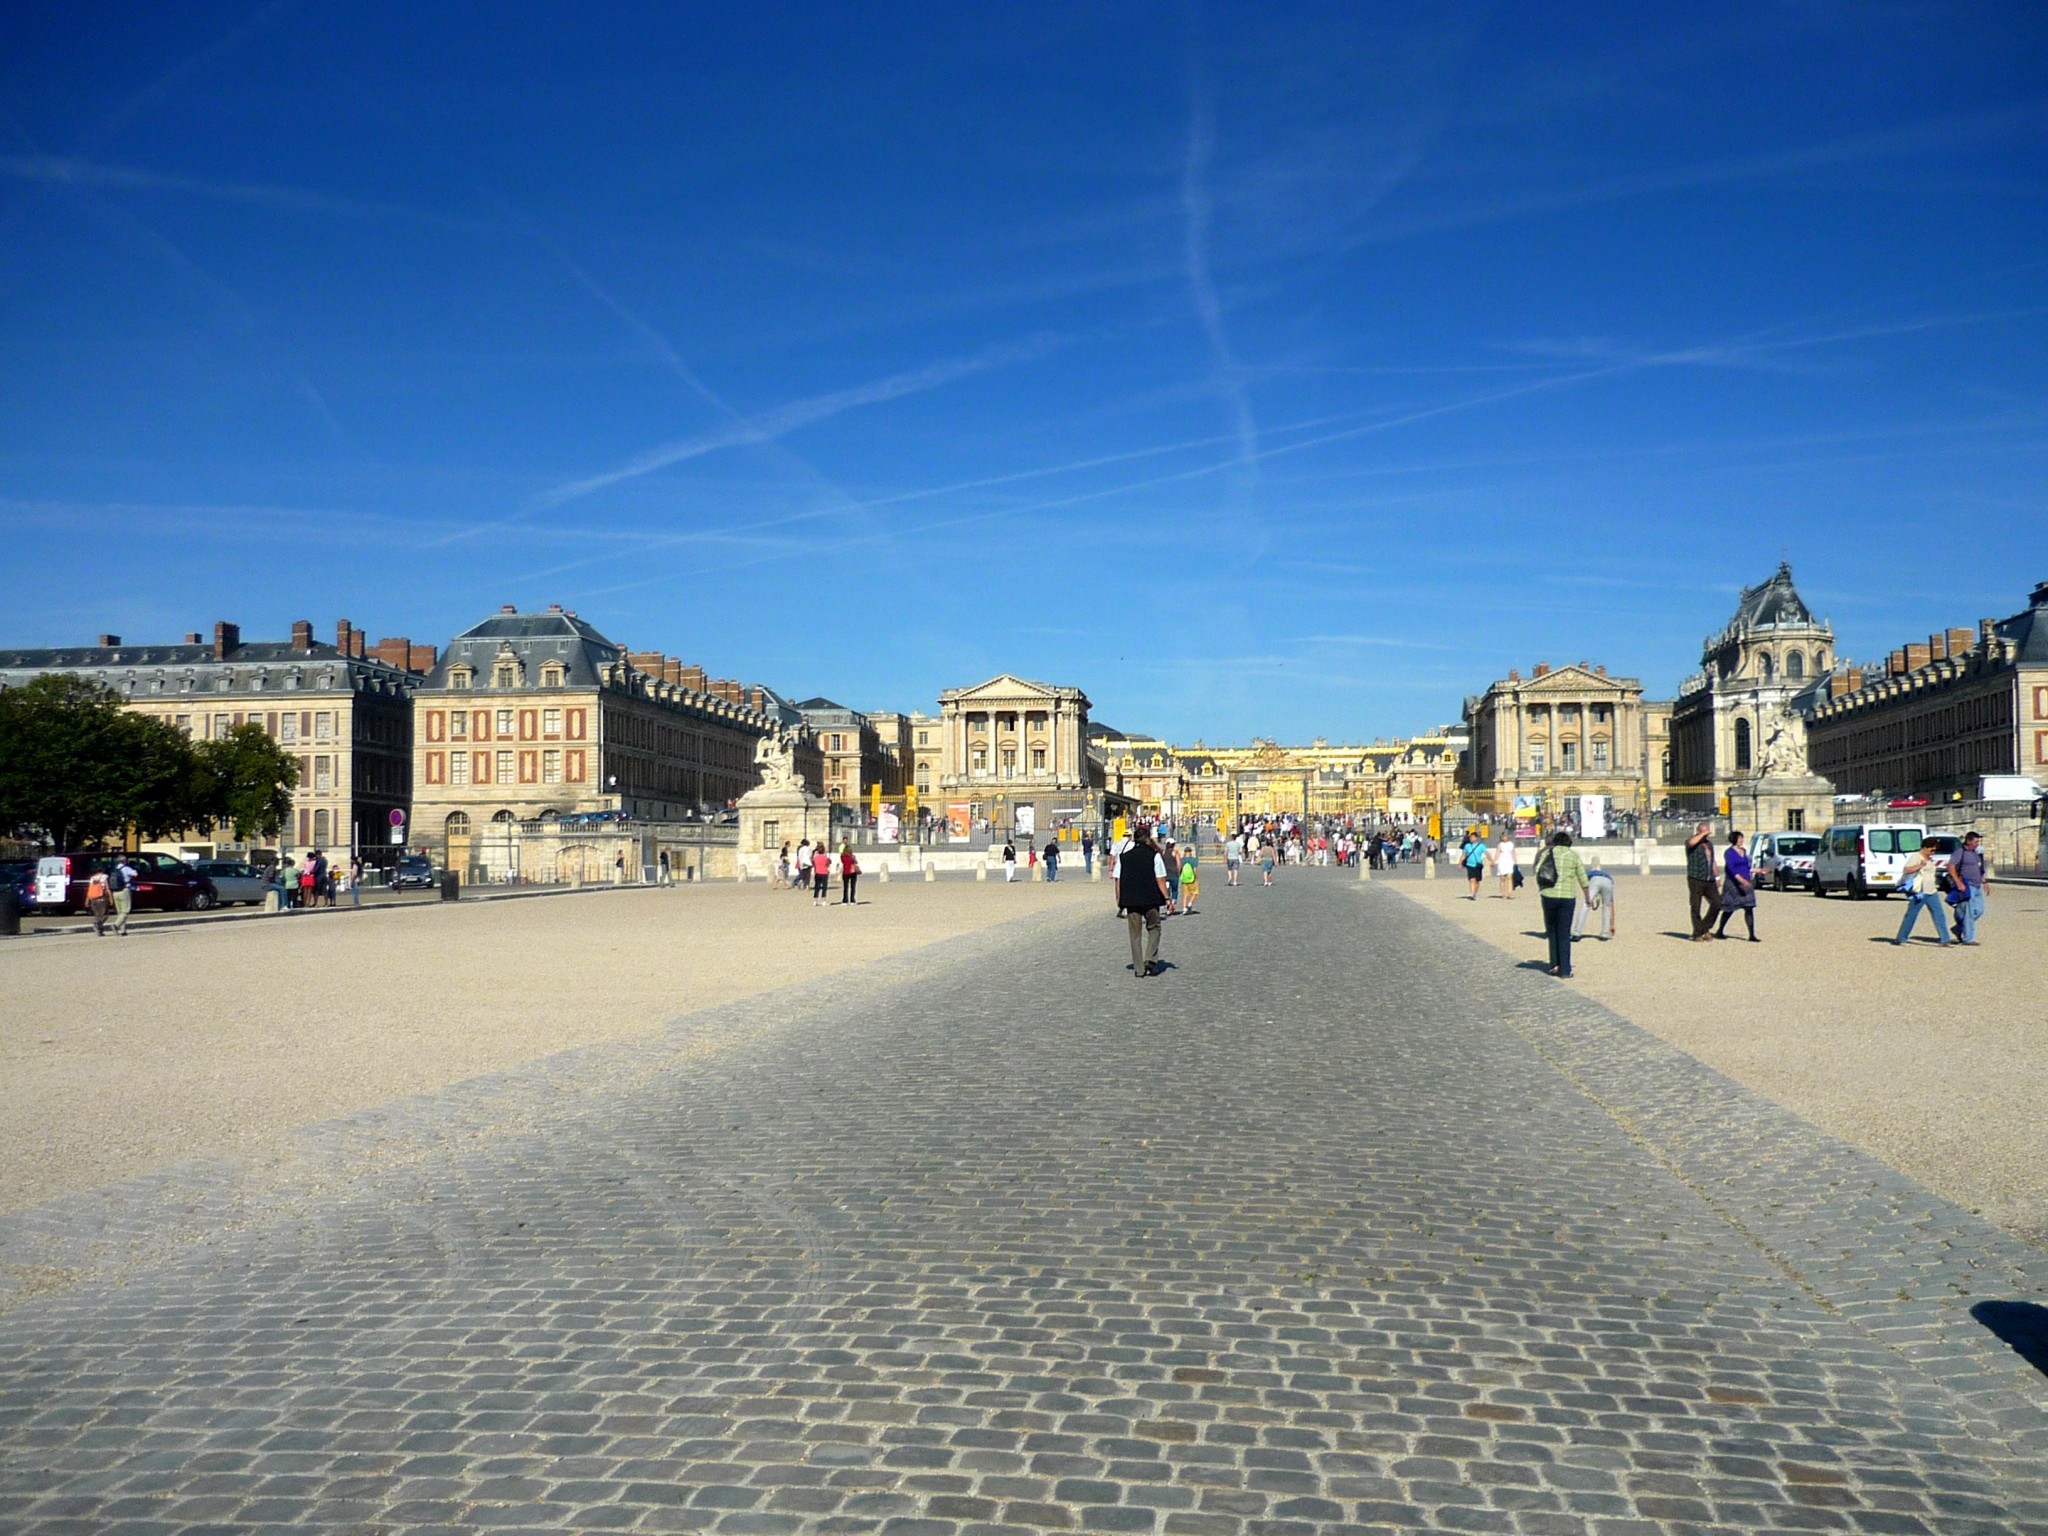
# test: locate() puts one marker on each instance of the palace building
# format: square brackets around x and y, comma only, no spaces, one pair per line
[1935,718]
[1015,753]
[1388,780]
[536,714]
[343,710]
[1554,736]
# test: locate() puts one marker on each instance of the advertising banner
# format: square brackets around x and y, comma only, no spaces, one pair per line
[958,823]
[1027,820]
[1592,816]
[888,825]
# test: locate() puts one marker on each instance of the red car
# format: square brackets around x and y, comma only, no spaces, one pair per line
[162,883]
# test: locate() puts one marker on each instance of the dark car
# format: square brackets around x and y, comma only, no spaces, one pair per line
[162,883]
[412,872]
[21,875]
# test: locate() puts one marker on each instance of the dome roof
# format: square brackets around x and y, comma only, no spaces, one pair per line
[1775,604]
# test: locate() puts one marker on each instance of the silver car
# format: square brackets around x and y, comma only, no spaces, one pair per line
[239,882]
[1785,859]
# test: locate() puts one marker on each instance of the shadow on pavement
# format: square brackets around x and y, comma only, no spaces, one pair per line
[2020,1325]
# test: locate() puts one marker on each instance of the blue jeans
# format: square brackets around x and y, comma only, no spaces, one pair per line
[1937,909]
[1968,914]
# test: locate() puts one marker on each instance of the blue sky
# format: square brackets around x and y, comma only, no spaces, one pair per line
[1280,369]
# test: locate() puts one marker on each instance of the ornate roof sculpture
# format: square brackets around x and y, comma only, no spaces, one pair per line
[1774,604]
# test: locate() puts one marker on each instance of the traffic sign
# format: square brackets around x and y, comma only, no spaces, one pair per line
[398,818]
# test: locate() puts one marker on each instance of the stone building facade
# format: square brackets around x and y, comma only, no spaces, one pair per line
[539,714]
[1016,755]
[1937,717]
[1738,732]
[1556,735]
[343,710]
[928,768]
[850,749]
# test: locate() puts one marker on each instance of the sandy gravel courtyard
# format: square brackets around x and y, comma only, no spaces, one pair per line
[119,1056]
[1934,1060]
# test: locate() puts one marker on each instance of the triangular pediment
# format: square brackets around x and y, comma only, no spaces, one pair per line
[1568,680]
[1006,687]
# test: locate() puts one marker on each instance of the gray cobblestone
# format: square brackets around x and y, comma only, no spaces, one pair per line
[1343,1224]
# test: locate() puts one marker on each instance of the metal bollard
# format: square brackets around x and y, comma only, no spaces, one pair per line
[451,885]
[10,912]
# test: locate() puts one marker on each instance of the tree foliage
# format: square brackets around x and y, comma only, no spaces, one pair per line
[78,768]
[246,779]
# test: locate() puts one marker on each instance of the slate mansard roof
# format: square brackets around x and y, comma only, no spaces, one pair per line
[1775,604]
[535,639]
[253,665]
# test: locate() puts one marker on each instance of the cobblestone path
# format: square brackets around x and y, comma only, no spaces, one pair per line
[1344,1222]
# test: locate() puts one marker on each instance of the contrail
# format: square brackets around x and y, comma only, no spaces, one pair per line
[1195,211]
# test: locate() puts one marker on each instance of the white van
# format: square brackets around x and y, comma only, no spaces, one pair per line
[1865,858]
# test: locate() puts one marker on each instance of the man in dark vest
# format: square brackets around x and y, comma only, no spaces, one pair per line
[1141,890]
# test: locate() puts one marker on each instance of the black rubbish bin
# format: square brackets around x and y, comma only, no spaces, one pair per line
[10,912]
[451,885]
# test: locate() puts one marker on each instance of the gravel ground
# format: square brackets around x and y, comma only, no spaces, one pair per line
[1934,1060]
[119,1056]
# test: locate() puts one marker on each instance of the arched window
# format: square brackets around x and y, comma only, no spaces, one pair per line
[1795,664]
[1742,746]
[457,824]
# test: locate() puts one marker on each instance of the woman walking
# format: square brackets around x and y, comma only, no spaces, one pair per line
[1561,880]
[1504,865]
[821,872]
[1738,887]
[1266,860]
[849,874]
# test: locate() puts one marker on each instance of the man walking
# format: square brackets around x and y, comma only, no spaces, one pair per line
[1052,861]
[1141,890]
[121,886]
[1009,861]
[1699,881]
[1088,854]
[1967,870]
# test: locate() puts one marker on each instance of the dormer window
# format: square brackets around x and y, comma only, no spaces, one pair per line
[551,675]
[505,675]
[460,677]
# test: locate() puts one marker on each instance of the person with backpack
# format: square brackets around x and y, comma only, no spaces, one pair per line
[1560,882]
[96,902]
[1141,890]
[121,887]
[1475,864]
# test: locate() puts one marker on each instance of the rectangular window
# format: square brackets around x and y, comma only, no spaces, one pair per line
[981,760]
[458,769]
[1038,759]
[551,766]
[1568,757]
[1600,755]
[924,738]
[1538,758]
[323,726]
[551,722]
[504,725]
[1795,821]
[323,774]
[458,725]
[288,727]
[504,768]
[1009,762]
[220,726]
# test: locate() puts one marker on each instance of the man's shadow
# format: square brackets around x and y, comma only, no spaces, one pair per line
[2021,1325]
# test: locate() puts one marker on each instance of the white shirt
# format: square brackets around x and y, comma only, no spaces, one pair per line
[1504,858]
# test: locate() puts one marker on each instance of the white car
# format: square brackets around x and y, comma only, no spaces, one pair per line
[1865,858]
[1786,858]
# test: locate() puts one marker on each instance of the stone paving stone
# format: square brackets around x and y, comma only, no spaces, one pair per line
[1341,1224]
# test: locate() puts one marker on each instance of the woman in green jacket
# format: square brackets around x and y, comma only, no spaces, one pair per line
[1561,881]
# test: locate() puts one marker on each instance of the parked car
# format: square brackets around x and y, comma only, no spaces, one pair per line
[1786,858]
[235,883]
[1865,858]
[162,883]
[412,872]
[20,874]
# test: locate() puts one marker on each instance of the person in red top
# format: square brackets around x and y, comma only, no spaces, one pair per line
[849,875]
[821,872]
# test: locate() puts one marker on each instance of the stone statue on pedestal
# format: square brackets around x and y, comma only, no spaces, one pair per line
[775,756]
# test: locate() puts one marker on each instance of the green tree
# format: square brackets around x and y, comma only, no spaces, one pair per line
[77,767]
[246,779]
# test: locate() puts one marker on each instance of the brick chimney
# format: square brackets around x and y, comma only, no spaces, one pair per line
[1542,669]
[110,640]
[226,637]
[1600,671]
[344,636]
[1855,678]
[1837,686]
[1959,641]
[302,635]
[1514,674]
[1916,657]
[192,637]
[1895,664]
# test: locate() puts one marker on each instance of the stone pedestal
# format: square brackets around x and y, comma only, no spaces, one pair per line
[776,814]
[1766,804]
[1428,868]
